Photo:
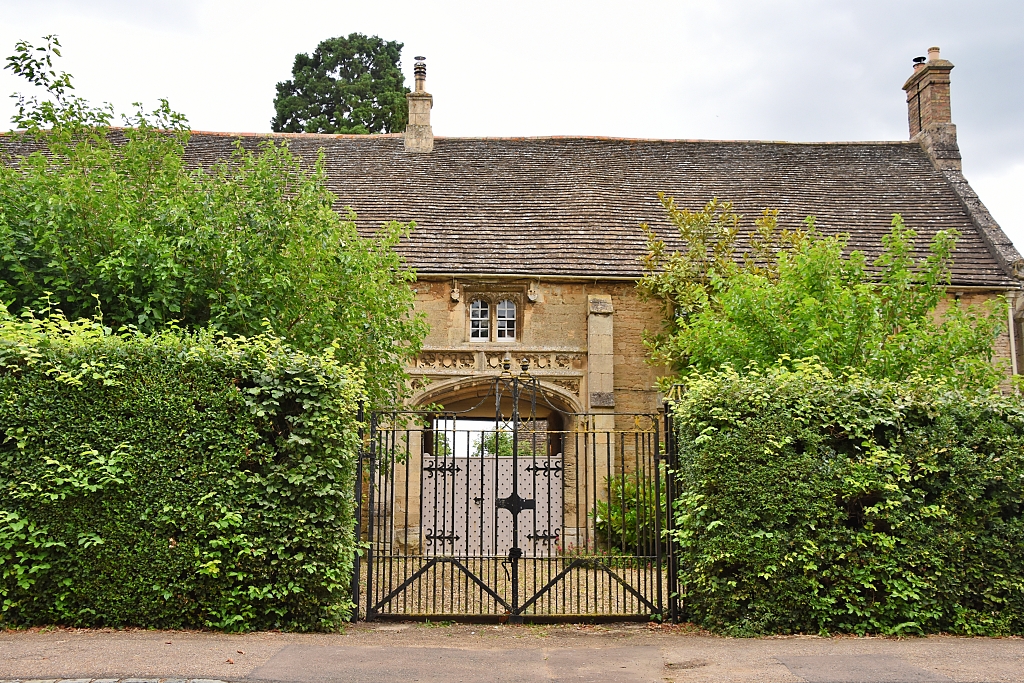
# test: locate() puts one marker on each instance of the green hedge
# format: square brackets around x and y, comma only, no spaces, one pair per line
[811,503]
[173,481]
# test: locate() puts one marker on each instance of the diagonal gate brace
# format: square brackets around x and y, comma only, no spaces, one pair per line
[425,568]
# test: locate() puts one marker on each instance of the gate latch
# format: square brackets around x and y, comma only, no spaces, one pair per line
[514,555]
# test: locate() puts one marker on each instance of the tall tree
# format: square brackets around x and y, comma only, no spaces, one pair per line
[348,85]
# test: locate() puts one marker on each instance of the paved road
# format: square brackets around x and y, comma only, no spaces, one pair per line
[409,653]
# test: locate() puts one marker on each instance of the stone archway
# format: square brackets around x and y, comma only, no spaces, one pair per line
[470,394]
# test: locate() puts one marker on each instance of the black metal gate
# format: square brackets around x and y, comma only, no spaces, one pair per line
[532,513]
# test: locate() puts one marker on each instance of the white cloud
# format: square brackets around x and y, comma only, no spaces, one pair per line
[1002,191]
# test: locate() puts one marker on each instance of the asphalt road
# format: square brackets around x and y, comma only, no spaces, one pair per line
[401,653]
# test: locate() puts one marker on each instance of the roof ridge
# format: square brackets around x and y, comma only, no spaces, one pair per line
[628,139]
[499,138]
[289,135]
[609,138]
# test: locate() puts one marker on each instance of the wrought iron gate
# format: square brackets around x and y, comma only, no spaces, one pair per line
[513,517]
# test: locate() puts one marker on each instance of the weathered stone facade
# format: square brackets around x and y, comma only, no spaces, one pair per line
[583,340]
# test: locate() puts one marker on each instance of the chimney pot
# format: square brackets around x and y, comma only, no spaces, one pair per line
[419,71]
[933,54]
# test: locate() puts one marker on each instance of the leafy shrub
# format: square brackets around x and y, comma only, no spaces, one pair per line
[815,503]
[627,521]
[175,480]
[94,218]
[800,293]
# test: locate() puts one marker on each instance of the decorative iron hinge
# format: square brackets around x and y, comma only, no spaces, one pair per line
[450,468]
[545,537]
[548,468]
[441,538]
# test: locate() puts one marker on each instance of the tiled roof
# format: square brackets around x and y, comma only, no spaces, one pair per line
[572,206]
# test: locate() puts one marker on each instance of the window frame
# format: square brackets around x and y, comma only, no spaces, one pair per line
[475,320]
[499,328]
[493,299]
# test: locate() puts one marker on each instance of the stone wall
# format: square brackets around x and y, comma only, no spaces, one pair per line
[555,321]
[1002,347]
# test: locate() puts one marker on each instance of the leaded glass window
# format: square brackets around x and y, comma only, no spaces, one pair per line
[506,320]
[479,321]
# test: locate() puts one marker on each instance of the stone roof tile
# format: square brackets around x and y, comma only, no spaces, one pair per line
[573,205]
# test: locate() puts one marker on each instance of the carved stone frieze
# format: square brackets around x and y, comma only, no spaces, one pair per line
[452,363]
[446,360]
[538,361]
[569,361]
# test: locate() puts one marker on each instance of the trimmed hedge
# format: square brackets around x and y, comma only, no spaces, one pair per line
[811,503]
[173,481]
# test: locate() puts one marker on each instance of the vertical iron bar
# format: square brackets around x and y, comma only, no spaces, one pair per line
[657,519]
[359,513]
[369,530]
[434,531]
[623,502]
[636,500]
[516,552]
[671,457]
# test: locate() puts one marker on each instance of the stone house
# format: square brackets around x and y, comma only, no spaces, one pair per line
[528,249]
[530,245]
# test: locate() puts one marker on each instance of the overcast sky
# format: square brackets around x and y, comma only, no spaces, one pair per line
[737,69]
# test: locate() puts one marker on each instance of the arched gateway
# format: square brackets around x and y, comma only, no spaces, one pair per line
[497,497]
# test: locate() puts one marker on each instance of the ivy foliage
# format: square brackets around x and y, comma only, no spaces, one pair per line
[173,480]
[348,85]
[813,502]
[115,220]
[799,293]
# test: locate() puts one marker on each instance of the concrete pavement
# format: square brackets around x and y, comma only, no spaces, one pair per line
[449,653]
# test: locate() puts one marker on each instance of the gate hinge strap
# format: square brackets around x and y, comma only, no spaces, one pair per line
[515,503]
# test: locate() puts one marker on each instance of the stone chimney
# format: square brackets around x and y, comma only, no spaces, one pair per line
[419,137]
[931,126]
[928,110]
